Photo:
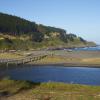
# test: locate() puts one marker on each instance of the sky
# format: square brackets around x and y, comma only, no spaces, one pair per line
[81,17]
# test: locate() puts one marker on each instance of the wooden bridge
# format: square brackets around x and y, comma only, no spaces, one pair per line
[23,60]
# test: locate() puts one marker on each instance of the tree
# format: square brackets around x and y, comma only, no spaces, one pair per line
[82,40]
[37,36]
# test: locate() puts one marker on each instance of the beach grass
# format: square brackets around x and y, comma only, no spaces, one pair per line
[9,55]
[13,86]
[47,91]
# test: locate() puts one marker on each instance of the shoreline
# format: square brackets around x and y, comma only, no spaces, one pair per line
[50,64]
[5,69]
[68,65]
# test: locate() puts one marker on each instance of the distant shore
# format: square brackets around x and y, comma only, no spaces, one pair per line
[68,65]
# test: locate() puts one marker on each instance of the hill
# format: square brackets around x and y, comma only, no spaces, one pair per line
[19,33]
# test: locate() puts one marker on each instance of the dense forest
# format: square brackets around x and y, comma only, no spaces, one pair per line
[16,26]
[16,31]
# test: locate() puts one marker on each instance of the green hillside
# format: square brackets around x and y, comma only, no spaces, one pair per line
[18,33]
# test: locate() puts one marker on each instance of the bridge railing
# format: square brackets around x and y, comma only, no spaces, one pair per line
[23,60]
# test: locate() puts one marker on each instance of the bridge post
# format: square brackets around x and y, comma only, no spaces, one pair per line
[22,61]
[7,65]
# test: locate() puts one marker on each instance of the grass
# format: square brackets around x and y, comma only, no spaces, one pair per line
[92,60]
[66,60]
[24,42]
[48,91]
[13,86]
[50,60]
[9,55]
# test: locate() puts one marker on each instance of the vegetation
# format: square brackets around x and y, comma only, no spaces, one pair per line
[18,33]
[47,91]
[70,58]
[8,86]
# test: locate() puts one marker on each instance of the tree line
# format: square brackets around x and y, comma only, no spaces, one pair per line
[14,25]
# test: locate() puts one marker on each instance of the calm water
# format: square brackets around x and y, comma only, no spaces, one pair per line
[80,75]
[97,48]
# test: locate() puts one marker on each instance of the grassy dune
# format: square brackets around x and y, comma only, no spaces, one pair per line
[23,90]
[8,86]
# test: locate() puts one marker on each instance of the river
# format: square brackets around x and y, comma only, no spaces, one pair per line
[73,75]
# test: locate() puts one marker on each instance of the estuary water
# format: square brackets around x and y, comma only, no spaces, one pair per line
[73,75]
